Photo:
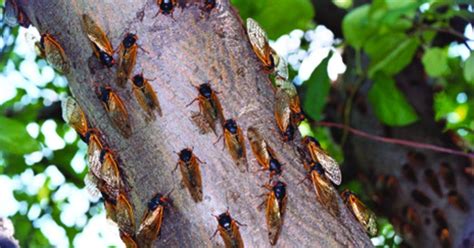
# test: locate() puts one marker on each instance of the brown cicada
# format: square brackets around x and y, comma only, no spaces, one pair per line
[101,45]
[115,109]
[229,230]
[127,53]
[189,166]
[146,96]
[365,217]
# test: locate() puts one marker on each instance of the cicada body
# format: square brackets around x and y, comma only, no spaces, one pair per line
[100,43]
[283,115]
[115,109]
[234,141]
[109,171]
[166,6]
[229,231]
[146,96]
[128,240]
[124,215]
[189,167]
[444,237]
[209,106]
[54,53]
[323,188]
[458,201]
[365,217]
[259,41]
[94,149]
[294,100]
[260,148]
[209,5]
[127,56]
[432,180]
[152,220]
[447,174]
[275,210]
[74,116]
[331,167]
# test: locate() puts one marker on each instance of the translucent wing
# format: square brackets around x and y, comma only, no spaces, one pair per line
[93,155]
[324,192]
[364,215]
[331,167]
[96,35]
[124,215]
[74,116]
[150,226]
[282,110]
[90,182]
[119,115]
[259,41]
[55,54]
[274,217]
[192,178]
[281,70]
[109,171]
[126,62]
[259,146]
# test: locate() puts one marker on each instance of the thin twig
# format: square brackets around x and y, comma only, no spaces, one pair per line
[396,141]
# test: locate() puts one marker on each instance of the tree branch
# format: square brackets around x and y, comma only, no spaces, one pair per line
[191,46]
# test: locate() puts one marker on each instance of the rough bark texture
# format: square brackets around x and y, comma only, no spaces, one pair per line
[191,47]
[368,160]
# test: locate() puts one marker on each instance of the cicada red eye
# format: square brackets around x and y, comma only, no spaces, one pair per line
[260,148]
[166,6]
[331,167]
[152,220]
[234,141]
[190,170]
[127,53]
[146,96]
[325,194]
[365,217]
[259,41]
[115,109]
[100,43]
[275,210]
[209,105]
[54,53]
[74,116]
[229,231]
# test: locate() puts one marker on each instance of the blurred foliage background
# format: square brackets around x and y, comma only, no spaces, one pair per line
[42,163]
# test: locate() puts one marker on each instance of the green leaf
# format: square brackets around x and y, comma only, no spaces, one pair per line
[389,104]
[393,55]
[277,17]
[469,69]
[356,26]
[435,61]
[316,91]
[14,138]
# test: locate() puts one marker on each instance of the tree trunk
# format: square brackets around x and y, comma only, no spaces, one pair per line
[369,161]
[191,46]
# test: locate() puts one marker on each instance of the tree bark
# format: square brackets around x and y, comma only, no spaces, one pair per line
[191,46]
[368,161]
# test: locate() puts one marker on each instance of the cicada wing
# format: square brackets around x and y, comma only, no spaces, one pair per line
[119,115]
[124,215]
[55,54]
[73,115]
[126,62]
[325,193]
[274,218]
[331,167]
[96,35]
[282,110]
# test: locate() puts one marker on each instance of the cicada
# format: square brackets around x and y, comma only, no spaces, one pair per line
[447,173]
[124,215]
[364,215]
[281,69]
[127,56]
[444,237]
[294,100]
[275,209]
[128,240]
[440,217]
[322,187]
[115,109]
[189,167]
[283,115]
[209,106]
[234,141]
[152,220]
[109,170]
[259,41]
[146,96]
[94,149]
[54,53]
[260,148]
[331,167]
[100,43]
[409,173]
[432,180]
[209,5]
[421,197]
[229,230]
[455,199]
[166,6]
[74,116]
